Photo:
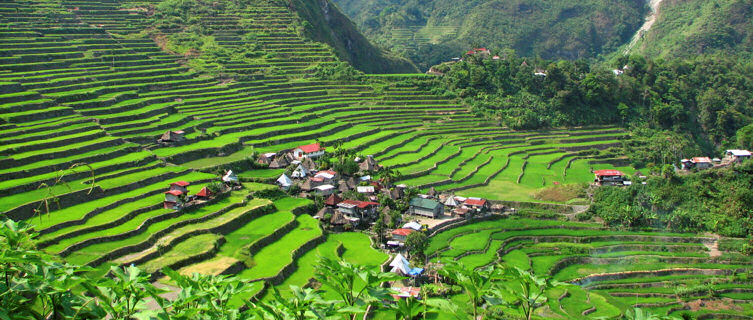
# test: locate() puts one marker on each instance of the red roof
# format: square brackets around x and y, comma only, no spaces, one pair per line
[174,192]
[604,173]
[360,204]
[475,202]
[180,183]
[329,172]
[315,179]
[701,160]
[204,192]
[310,148]
[403,232]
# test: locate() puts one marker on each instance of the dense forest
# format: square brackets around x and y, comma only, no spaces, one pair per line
[718,201]
[551,29]
[675,108]
[686,28]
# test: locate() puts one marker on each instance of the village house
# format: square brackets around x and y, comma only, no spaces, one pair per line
[299,172]
[426,207]
[313,151]
[366,210]
[480,52]
[609,178]
[367,190]
[174,199]
[737,156]
[311,183]
[171,136]
[181,186]
[324,212]
[702,162]
[368,165]
[338,221]
[333,200]
[284,182]
[279,162]
[481,206]
[401,234]
[324,190]
[327,175]
[309,164]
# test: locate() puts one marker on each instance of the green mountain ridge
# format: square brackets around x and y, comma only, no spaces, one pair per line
[689,27]
[429,32]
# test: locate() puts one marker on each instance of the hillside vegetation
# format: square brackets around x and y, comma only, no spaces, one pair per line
[430,32]
[690,27]
[698,104]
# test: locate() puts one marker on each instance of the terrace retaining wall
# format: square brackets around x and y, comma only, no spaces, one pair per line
[140,229]
[156,274]
[262,242]
[152,240]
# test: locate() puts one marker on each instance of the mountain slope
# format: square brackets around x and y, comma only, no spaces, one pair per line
[429,31]
[690,27]
[327,24]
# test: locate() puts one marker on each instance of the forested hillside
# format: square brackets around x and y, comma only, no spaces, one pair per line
[698,104]
[690,27]
[429,32]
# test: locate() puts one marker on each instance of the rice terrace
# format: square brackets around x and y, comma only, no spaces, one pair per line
[236,140]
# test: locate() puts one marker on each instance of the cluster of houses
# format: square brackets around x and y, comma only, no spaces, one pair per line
[702,163]
[340,213]
[177,197]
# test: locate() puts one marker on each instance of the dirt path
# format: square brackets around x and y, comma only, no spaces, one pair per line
[713,246]
[650,19]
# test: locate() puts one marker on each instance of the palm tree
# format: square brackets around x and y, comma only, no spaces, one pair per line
[357,285]
[476,283]
[527,289]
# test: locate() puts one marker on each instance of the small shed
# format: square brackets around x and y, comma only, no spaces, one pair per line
[172,136]
[323,213]
[368,165]
[308,164]
[333,200]
[413,225]
[204,194]
[451,202]
[279,162]
[299,172]
[284,181]
[230,177]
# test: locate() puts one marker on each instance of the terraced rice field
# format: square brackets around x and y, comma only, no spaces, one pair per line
[84,91]
[607,272]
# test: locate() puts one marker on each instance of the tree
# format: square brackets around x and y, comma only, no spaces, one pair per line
[417,242]
[303,304]
[379,227]
[124,295]
[526,288]
[357,286]
[745,137]
[475,283]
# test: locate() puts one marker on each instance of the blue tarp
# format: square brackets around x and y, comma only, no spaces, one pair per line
[415,271]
